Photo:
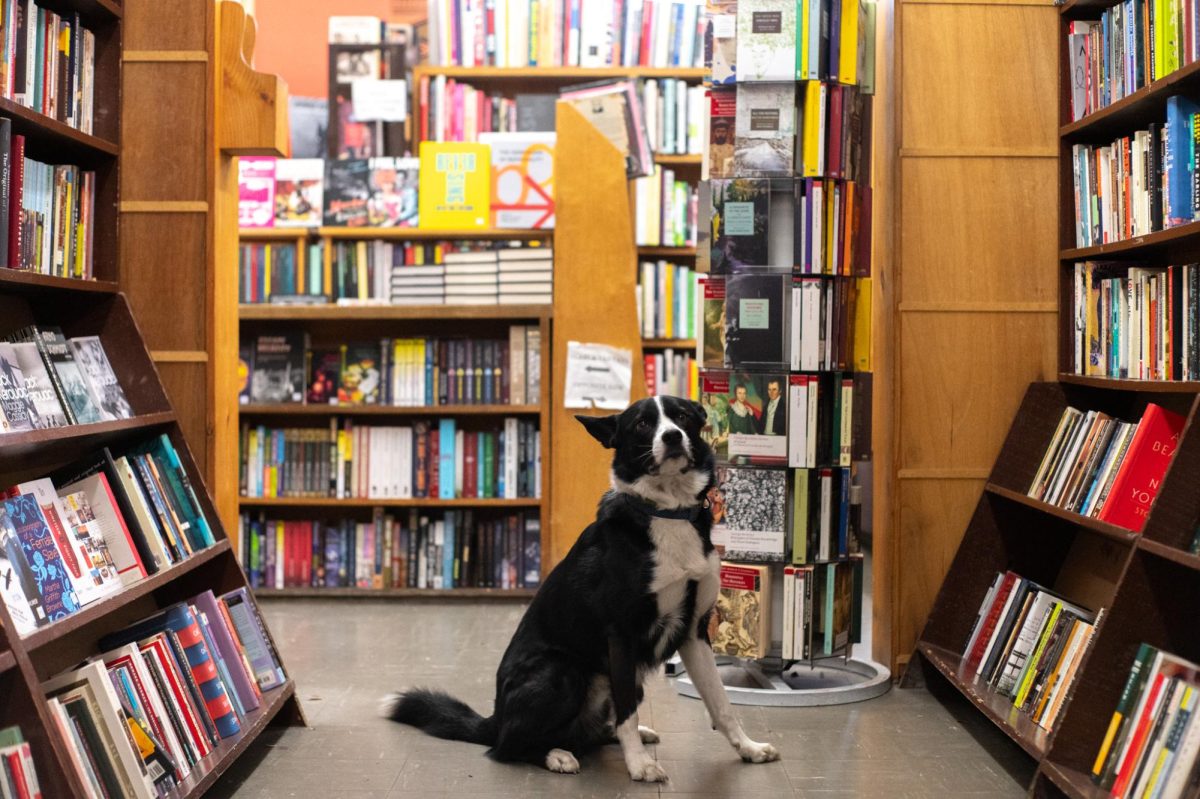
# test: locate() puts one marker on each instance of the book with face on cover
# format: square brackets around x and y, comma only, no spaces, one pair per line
[347,192]
[750,508]
[722,115]
[299,192]
[741,624]
[747,416]
[103,386]
[765,130]
[393,200]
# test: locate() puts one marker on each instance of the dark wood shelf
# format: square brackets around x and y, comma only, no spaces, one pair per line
[666,252]
[78,436]
[205,773]
[1105,529]
[661,343]
[1137,246]
[102,607]
[341,313]
[1074,784]
[94,12]
[678,159]
[42,132]
[1147,104]
[1076,9]
[299,409]
[1170,553]
[20,281]
[1140,386]
[7,661]
[395,593]
[1016,725]
[428,502]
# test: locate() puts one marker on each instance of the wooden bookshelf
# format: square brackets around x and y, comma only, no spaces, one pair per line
[298,409]
[550,76]
[648,251]
[348,502]
[434,594]
[664,343]
[679,160]
[349,313]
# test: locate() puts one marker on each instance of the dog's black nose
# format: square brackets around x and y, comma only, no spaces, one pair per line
[672,437]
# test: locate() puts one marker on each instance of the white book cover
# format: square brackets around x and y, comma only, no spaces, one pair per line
[789,612]
[157,707]
[88,534]
[798,421]
[510,457]
[145,519]
[766,40]
[810,325]
[299,192]
[355,30]
[405,468]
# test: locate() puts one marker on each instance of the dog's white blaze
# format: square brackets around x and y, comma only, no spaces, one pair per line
[679,557]
[666,489]
[666,425]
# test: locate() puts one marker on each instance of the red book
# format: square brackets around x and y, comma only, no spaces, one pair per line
[647,17]
[1140,732]
[471,465]
[989,622]
[16,198]
[434,462]
[18,775]
[835,168]
[1141,472]
[651,376]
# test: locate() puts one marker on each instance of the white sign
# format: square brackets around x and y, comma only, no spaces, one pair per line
[385,100]
[598,376]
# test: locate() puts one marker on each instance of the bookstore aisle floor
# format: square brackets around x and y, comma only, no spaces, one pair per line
[346,655]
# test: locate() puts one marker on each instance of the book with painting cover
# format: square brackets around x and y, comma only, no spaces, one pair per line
[18,588]
[361,377]
[103,386]
[710,332]
[455,185]
[833,606]
[765,130]
[347,192]
[756,320]
[324,376]
[299,192]
[522,179]
[39,388]
[256,191]
[278,369]
[393,186]
[722,128]
[738,223]
[741,624]
[747,416]
[766,40]
[720,41]
[749,508]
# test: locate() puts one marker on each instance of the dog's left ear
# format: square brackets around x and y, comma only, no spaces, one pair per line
[602,428]
[696,411]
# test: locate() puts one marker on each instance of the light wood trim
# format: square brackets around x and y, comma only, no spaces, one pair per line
[179,356]
[163,56]
[948,473]
[253,117]
[978,307]
[978,152]
[164,207]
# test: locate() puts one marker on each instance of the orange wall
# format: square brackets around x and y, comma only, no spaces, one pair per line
[292,35]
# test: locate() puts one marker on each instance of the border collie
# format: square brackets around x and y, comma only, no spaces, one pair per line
[639,584]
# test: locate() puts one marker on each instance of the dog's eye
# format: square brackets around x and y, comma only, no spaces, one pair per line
[643,426]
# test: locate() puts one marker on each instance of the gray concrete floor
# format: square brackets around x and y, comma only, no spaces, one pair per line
[345,655]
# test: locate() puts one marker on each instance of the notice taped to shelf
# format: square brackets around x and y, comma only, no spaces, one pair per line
[598,376]
[385,100]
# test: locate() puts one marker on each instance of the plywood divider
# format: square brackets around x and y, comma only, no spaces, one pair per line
[594,285]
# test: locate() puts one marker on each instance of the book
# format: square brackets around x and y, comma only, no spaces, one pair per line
[347,192]
[766,41]
[749,509]
[765,130]
[299,194]
[360,382]
[54,586]
[278,369]
[710,317]
[522,173]
[1140,474]
[455,190]
[256,191]
[756,320]
[742,618]
[17,584]
[615,108]
[751,411]
[39,388]
[722,132]
[739,224]
[17,412]
[103,386]
[393,187]
[720,40]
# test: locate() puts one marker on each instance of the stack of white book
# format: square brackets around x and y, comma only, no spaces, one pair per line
[471,278]
[526,276]
[418,285]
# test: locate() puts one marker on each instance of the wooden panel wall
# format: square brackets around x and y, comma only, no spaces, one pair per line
[972,304]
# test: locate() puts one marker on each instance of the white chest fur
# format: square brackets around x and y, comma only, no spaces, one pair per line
[679,558]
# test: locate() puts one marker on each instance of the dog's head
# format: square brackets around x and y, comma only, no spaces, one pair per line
[657,449]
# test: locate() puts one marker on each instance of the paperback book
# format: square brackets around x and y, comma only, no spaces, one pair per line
[522,179]
[299,192]
[741,624]
[347,192]
[393,187]
[765,130]
[749,509]
[455,185]
[756,320]
[748,416]
[738,228]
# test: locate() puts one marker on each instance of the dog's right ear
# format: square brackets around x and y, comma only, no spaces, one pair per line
[602,428]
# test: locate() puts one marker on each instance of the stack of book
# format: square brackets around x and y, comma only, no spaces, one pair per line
[1135,322]
[141,717]
[18,777]
[472,278]
[820,614]
[671,373]
[1026,645]
[82,535]
[422,460]
[405,372]
[666,210]
[675,114]
[526,277]
[1153,741]
[47,215]
[49,63]
[48,380]
[1106,468]
[520,33]
[454,549]
[666,300]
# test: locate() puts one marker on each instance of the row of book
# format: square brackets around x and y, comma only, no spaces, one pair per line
[1140,183]
[671,372]
[18,774]
[830,221]
[675,113]
[1133,44]
[772,321]
[455,549]
[402,372]
[1134,322]
[1026,644]
[520,33]
[1152,743]
[48,63]
[451,110]
[69,540]
[810,130]
[139,719]
[422,460]
[48,380]
[666,210]
[798,516]
[47,219]
[666,296]
[783,42]
[1100,466]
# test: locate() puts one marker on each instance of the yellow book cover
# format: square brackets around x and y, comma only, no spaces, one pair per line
[668,301]
[862,326]
[847,231]
[814,123]
[802,50]
[1025,682]
[268,272]
[848,48]
[360,266]
[455,185]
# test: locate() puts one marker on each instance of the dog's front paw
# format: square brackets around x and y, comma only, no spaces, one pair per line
[754,752]
[562,762]
[648,735]
[648,771]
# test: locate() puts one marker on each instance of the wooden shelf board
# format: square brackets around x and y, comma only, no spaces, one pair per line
[299,409]
[1074,784]
[93,11]
[1105,529]
[334,502]
[395,593]
[205,773]
[1147,103]
[7,661]
[276,233]
[667,252]
[1028,735]
[659,343]
[1136,246]
[561,74]
[102,607]
[1142,386]
[44,130]
[81,436]
[1170,553]
[338,313]
[22,281]
[407,233]
[675,159]
[1073,8]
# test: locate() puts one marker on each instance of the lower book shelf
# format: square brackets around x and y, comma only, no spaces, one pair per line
[397,593]
[1074,784]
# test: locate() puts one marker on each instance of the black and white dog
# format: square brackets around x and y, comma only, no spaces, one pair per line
[638,585]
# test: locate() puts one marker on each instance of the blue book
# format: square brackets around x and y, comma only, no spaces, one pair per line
[333,556]
[58,599]
[1179,168]
[446,459]
[430,388]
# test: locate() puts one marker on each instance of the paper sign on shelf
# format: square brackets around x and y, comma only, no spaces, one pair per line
[385,100]
[598,376]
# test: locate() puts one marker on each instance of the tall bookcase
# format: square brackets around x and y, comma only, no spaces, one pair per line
[1149,583]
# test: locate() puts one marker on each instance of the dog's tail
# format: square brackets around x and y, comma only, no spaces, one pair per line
[440,715]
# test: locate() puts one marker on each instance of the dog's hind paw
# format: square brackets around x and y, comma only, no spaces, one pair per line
[754,752]
[562,762]
[648,771]
[649,736]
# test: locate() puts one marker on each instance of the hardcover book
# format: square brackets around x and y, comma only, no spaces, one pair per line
[39,389]
[741,626]
[765,130]
[347,192]
[749,508]
[299,192]
[766,40]
[393,201]
[256,192]
[278,369]
[455,190]
[747,416]
[103,386]
[522,179]
[738,223]
[1140,474]
[756,320]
